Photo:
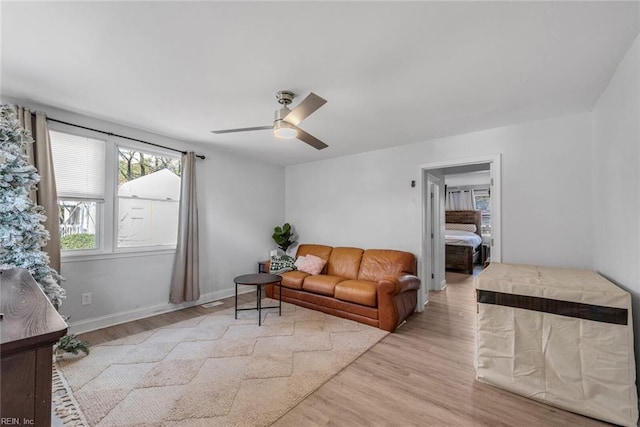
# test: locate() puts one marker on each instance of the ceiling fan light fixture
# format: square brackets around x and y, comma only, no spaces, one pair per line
[286,121]
[283,130]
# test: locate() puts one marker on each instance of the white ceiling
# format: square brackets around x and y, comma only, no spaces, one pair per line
[393,73]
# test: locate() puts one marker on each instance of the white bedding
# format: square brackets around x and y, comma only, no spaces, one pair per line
[462,238]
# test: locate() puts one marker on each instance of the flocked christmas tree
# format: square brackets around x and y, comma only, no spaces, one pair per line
[22,233]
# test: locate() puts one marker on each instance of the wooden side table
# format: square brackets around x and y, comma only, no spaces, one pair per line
[29,327]
[262,267]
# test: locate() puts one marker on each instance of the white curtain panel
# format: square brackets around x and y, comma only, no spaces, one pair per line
[459,200]
[46,195]
[185,282]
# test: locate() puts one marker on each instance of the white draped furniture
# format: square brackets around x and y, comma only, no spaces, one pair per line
[560,336]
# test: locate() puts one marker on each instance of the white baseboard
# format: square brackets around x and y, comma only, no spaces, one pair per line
[89,325]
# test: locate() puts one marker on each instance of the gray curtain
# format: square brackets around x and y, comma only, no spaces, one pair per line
[185,281]
[46,195]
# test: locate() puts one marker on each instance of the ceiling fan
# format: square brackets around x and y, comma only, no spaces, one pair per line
[285,124]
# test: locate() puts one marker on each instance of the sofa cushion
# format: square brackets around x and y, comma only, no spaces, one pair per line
[312,264]
[345,262]
[320,251]
[322,284]
[293,279]
[378,263]
[357,291]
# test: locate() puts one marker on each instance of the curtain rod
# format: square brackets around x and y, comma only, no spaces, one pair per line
[122,136]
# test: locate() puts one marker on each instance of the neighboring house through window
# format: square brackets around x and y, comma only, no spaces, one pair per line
[148,199]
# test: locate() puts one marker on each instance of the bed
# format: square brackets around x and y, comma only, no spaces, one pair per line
[462,246]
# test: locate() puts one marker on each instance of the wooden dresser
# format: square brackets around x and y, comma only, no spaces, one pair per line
[29,328]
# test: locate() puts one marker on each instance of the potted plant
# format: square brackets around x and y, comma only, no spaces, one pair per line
[284,236]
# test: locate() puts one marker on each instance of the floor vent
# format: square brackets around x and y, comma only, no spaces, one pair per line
[211,304]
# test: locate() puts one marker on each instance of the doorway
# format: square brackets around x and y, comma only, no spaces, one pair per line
[431,264]
[432,223]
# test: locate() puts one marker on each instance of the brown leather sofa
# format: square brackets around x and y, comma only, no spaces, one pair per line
[374,286]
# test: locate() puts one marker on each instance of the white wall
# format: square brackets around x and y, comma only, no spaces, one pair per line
[237,207]
[366,200]
[616,160]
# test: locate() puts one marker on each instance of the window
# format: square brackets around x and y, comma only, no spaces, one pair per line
[148,199]
[482,202]
[80,173]
[77,224]
[113,198]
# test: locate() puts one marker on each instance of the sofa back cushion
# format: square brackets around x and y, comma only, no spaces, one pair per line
[345,262]
[320,251]
[378,263]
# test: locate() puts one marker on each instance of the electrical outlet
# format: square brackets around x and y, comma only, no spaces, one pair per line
[86,298]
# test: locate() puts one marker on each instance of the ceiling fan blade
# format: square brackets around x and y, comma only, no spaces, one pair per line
[303,110]
[241,129]
[310,139]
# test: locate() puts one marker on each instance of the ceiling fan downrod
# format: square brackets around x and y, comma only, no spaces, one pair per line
[281,128]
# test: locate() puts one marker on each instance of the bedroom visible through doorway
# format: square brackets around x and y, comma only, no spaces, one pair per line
[467,217]
[437,180]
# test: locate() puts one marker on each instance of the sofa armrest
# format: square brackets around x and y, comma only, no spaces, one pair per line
[398,283]
[397,299]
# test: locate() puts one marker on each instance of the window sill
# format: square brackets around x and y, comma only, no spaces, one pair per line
[95,256]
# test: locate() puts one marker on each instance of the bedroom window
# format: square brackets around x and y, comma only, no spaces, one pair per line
[148,198]
[482,203]
[79,164]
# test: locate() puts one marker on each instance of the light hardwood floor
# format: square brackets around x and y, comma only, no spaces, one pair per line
[423,375]
[420,375]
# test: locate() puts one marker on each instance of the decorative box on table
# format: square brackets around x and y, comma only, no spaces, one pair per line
[560,336]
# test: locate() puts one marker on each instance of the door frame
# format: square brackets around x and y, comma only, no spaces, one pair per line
[432,231]
[424,204]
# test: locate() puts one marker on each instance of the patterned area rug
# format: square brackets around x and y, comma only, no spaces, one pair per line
[214,370]
[65,409]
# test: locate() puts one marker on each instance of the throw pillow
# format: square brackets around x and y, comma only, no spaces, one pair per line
[281,264]
[312,265]
[299,262]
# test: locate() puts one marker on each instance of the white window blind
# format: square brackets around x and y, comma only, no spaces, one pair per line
[79,164]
